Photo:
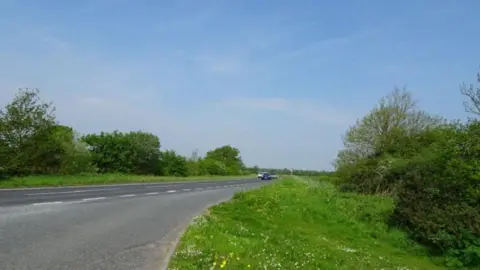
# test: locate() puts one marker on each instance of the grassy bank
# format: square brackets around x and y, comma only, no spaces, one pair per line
[99,179]
[296,224]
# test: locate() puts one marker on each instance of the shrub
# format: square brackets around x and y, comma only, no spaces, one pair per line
[439,199]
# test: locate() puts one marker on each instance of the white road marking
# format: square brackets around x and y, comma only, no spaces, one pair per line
[151,193]
[73,191]
[199,188]
[94,199]
[127,196]
[171,191]
[45,203]
[160,186]
[186,189]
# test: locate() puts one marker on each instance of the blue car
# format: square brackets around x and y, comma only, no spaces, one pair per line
[266,176]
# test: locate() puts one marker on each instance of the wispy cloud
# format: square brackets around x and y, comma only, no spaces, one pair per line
[310,110]
[202,74]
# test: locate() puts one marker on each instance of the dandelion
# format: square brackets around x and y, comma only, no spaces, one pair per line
[223,264]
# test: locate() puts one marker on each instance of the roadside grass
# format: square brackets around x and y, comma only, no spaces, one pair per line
[296,224]
[99,179]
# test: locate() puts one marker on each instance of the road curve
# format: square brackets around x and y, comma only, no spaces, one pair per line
[127,228]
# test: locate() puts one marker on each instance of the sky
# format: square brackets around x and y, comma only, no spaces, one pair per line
[280,80]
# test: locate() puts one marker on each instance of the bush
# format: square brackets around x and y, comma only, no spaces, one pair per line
[439,199]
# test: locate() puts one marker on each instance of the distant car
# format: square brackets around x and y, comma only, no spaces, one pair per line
[260,175]
[266,176]
[273,176]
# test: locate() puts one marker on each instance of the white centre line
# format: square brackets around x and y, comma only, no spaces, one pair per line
[151,193]
[45,203]
[127,196]
[199,188]
[73,191]
[160,186]
[186,189]
[171,191]
[94,199]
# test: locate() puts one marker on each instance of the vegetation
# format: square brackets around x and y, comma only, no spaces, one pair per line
[405,195]
[428,165]
[298,225]
[36,150]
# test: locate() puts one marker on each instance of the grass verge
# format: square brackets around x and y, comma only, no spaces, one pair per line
[99,179]
[296,224]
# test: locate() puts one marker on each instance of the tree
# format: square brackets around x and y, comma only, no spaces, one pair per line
[173,164]
[27,132]
[228,155]
[193,163]
[473,95]
[396,115]
[134,152]
[380,140]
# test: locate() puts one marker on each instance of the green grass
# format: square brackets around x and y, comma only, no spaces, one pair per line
[298,224]
[97,179]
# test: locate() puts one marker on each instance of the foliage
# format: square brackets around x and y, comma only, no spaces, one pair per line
[428,165]
[439,202]
[33,143]
[173,164]
[296,224]
[131,153]
[226,155]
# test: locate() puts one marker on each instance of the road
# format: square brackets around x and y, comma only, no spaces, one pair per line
[102,227]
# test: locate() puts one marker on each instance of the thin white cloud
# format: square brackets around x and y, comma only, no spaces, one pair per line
[310,110]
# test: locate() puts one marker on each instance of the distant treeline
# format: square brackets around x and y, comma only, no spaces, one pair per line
[32,142]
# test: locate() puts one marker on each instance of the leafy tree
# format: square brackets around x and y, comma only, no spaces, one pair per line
[134,152]
[439,199]
[213,167]
[379,139]
[173,164]
[229,156]
[26,127]
[193,164]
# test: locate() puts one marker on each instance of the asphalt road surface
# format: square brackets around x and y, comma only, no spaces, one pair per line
[102,227]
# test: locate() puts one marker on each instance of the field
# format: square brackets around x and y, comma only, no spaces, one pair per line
[298,224]
[99,179]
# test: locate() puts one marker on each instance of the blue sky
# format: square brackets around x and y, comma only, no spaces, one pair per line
[280,80]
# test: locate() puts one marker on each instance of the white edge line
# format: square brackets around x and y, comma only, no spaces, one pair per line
[151,193]
[171,191]
[46,203]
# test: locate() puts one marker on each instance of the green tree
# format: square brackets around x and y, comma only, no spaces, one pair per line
[173,164]
[134,152]
[229,156]
[27,135]
[374,143]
